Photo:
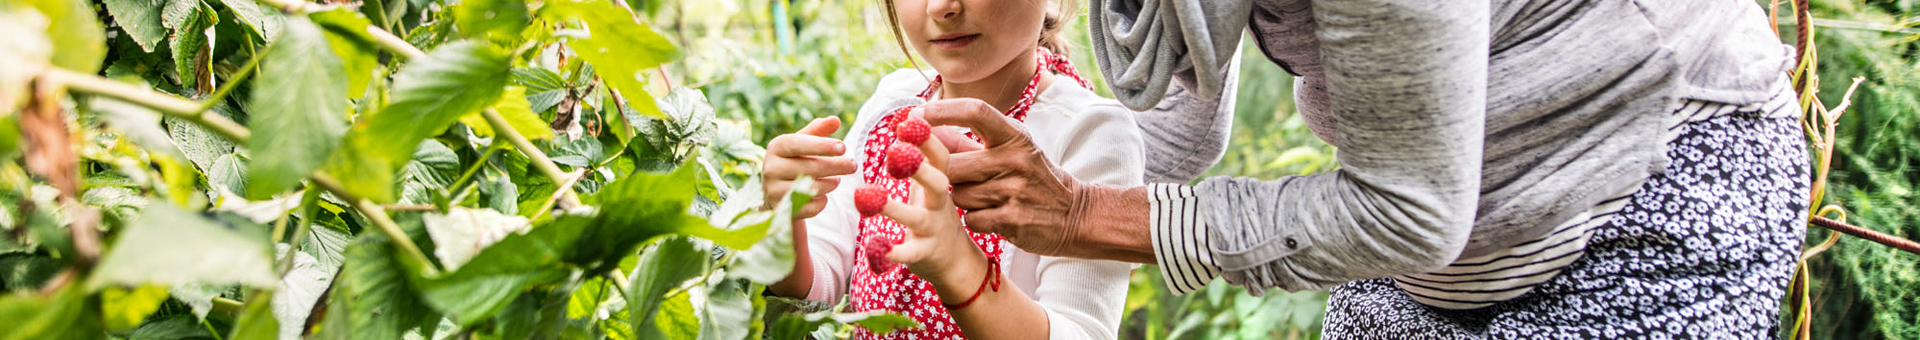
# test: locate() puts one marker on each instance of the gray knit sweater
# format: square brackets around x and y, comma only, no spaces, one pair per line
[1463,127]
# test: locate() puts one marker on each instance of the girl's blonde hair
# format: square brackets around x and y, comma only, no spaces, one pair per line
[1051,25]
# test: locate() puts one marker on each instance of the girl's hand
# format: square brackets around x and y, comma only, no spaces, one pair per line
[936,246]
[811,152]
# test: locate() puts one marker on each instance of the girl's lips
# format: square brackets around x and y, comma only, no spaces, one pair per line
[954,41]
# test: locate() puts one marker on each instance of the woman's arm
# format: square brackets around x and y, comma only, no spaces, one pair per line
[1406,82]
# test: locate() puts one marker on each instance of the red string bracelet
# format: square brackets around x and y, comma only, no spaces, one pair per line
[992,280]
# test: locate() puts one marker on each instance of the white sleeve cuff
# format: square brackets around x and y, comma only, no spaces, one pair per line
[1180,241]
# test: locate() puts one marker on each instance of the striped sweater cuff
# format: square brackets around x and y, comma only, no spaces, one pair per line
[1180,240]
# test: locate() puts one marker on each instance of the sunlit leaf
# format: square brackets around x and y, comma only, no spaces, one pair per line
[428,95]
[372,299]
[460,233]
[124,308]
[514,108]
[299,290]
[347,33]
[300,95]
[79,41]
[169,246]
[490,19]
[266,22]
[618,47]
[729,310]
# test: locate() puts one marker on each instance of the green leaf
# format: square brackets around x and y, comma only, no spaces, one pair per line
[256,321]
[202,146]
[670,263]
[618,47]
[797,326]
[124,308]
[347,34]
[192,44]
[65,315]
[499,273]
[9,137]
[428,96]
[299,290]
[770,259]
[728,309]
[432,169]
[79,42]
[175,327]
[461,233]
[300,96]
[140,19]
[677,319]
[514,108]
[371,299]
[493,20]
[265,22]
[170,246]
[228,172]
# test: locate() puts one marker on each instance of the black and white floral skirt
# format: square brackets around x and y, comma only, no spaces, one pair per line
[1704,251]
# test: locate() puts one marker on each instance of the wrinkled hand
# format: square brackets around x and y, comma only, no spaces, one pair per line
[1007,185]
[811,152]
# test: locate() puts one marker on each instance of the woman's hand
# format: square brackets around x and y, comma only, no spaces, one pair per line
[811,152]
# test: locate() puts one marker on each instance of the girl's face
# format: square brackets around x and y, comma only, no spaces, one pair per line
[968,40]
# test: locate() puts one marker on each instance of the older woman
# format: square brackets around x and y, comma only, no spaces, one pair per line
[1546,168]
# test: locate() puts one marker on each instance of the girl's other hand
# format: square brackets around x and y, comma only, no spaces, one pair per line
[811,152]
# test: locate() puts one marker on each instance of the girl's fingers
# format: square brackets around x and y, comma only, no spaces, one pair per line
[935,153]
[823,126]
[801,144]
[916,246]
[781,168]
[933,185]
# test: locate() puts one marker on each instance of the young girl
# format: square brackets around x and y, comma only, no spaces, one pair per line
[987,52]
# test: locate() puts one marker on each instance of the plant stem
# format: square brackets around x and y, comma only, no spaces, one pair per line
[378,215]
[186,109]
[165,103]
[501,128]
[619,282]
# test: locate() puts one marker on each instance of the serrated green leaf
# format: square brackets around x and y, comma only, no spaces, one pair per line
[228,172]
[202,146]
[432,168]
[490,19]
[371,299]
[728,309]
[537,80]
[618,47]
[264,22]
[771,258]
[878,323]
[299,290]
[256,321]
[175,327]
[140,19]
[124,308]
[347,34]
[428,96]
[170,246]
[671,262]
[192,44]
[500,272]
[79,42]
[300,95]
[514,108]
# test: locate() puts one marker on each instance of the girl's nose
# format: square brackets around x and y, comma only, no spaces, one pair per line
[943,10]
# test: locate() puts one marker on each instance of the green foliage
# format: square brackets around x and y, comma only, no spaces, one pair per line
[299,97]
[298,230]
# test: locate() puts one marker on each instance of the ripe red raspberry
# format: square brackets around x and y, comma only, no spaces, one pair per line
[869,199]
[903,160]
[877,247]
[913,130]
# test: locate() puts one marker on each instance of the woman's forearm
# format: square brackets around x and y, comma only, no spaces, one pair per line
[1112,224]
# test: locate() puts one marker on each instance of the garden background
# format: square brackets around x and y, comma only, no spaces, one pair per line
[727,75]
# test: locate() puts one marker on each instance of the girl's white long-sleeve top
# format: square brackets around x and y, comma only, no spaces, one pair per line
[1091,137]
